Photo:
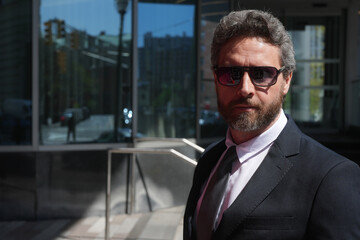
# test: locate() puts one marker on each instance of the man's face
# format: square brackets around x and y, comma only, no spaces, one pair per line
[246,107]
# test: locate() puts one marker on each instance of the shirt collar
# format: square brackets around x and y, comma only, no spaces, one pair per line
[250,148]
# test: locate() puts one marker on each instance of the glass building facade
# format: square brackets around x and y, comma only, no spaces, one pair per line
[80,77]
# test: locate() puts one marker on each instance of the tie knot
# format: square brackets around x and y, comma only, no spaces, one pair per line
[228,160]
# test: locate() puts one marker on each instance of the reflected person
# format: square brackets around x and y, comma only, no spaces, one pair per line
[71,128]
[266,179]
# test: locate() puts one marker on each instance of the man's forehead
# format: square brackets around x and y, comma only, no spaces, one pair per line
[233,41]
[247,46]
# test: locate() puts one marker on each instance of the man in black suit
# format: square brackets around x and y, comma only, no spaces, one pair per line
[281,184]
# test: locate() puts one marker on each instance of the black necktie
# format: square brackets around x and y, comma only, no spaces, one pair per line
[206,221]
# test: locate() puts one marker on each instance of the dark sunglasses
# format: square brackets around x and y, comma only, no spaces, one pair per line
[260,76]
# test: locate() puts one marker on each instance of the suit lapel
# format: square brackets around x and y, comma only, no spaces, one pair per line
[269,174]
[206,163]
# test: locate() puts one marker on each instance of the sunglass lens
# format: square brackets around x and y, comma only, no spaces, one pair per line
[224,76]
[263,75]
[258,74]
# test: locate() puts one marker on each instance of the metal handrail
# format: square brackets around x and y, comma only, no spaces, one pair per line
[135,151]
[183,140]
[153,151]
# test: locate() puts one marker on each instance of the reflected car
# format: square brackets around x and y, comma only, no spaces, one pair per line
[64,119]
[208,117]
[77,113]
[86,112]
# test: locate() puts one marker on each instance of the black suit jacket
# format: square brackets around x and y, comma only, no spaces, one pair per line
[302,190]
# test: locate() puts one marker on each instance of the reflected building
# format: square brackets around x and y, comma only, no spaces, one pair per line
[15,73]
[78,72]
[77,69]
[166,70]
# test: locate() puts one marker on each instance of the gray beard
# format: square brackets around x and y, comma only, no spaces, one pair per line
[245,124]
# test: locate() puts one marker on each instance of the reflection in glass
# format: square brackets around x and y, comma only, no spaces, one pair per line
[314,98]
[79,62]
[167,66]
[355,89]
[211,123]
[320,106]
[15,73]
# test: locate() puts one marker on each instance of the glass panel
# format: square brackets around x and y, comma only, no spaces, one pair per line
[167,69]
[82,86]
[319,107]
[314,98]
[355,93]
[72,183]
[211,122]
[15,72]
[358,45]
[18,186]
[355,88]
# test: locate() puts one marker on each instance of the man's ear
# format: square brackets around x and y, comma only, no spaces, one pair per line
[286,83]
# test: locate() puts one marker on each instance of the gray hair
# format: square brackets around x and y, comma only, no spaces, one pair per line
[254,23]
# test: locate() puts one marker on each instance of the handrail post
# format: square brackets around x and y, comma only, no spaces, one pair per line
[132,183]
[108,196]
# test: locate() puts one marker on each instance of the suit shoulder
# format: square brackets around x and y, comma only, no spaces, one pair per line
[320,156]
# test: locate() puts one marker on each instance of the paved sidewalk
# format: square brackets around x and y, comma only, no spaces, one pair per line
[165,224]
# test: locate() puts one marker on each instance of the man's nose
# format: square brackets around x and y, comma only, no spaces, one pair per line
[245,88]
